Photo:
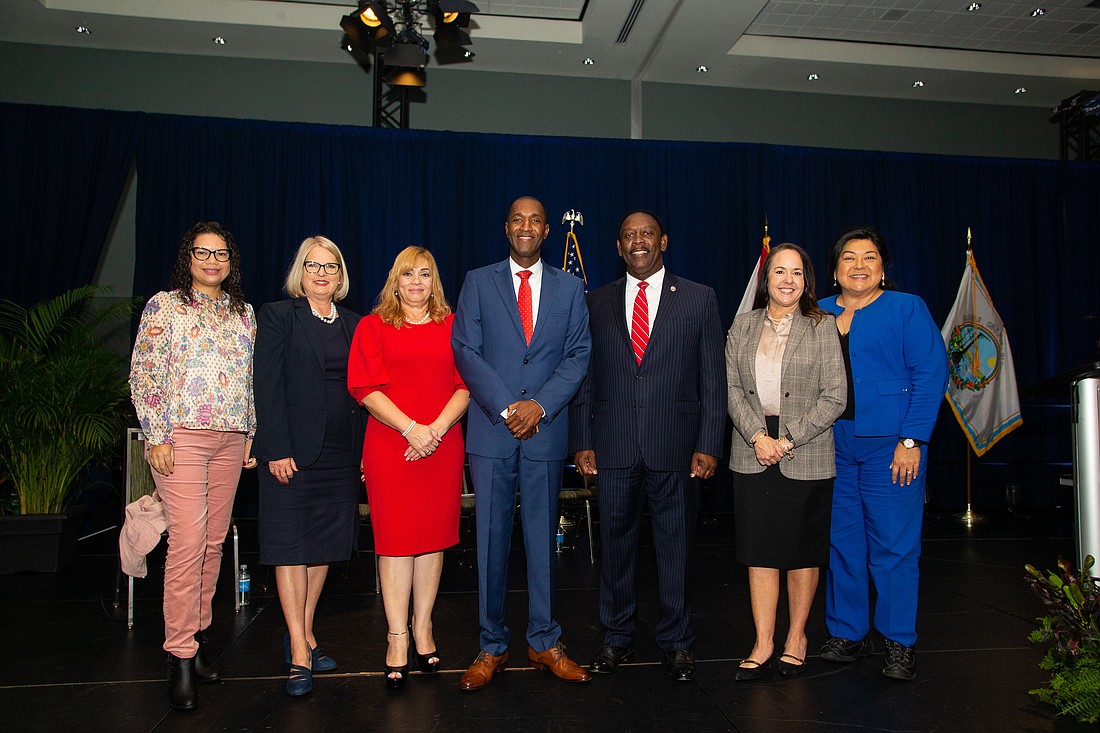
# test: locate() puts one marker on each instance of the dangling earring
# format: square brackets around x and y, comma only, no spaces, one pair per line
[884,279]
[395,292]
[834,281]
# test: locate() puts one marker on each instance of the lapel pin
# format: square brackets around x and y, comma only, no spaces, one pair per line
[672,289]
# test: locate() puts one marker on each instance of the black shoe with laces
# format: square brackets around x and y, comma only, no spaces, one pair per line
[900,661]
[839,649]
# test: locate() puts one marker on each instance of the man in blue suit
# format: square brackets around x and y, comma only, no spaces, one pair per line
[650,417]
[521,344]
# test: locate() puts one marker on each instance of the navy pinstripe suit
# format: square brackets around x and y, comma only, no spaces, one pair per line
[644,423]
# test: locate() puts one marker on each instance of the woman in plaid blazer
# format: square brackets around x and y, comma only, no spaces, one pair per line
[786,387]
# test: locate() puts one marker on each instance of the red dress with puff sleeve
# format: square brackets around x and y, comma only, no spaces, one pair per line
[414,504]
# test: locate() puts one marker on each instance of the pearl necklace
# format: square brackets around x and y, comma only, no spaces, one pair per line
[425,319]
[330,318]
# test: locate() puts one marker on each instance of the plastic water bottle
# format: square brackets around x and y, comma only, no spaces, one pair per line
[559,538]
[244,585]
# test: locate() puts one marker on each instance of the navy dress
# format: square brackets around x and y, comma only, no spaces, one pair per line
[315,518]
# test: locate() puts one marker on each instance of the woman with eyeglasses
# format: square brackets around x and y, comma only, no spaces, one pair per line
[191,385]
[402,369]
[310,435]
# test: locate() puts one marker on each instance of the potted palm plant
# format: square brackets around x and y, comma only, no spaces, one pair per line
[64,404]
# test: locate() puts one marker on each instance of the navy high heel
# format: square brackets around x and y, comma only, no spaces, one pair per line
[321,661]
[300,681]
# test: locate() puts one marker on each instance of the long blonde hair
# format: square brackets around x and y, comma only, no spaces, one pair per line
[388,306]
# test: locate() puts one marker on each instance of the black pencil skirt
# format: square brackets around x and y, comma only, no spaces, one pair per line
[780,522]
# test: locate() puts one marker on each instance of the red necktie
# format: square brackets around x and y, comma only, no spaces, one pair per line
[526,316]
[639,324]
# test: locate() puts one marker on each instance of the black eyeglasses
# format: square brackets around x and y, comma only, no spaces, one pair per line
[203,254]
[330,268]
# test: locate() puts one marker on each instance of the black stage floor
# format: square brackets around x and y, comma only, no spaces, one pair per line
[69,663]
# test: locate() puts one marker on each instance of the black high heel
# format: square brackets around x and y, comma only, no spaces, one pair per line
[402,672]
[424,663]
[396,683]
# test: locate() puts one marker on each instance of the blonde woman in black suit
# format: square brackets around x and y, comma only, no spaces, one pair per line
[309,437]
[786,388]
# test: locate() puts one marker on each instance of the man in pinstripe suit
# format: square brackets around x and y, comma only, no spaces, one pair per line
[649,418]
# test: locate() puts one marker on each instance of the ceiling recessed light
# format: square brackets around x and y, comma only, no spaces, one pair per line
[218,40]
[1020,90]
[917,84]
[812,77]
[83,29]
[701,69]
[588,61]
[1037,12]
[973,7]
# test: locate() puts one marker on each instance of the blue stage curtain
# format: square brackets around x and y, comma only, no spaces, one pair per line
[62,172]
[373,191]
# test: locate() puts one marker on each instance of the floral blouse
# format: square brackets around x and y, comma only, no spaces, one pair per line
[192,367]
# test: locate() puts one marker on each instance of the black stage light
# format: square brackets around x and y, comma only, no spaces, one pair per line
[405,56]
[406,77]
[370,21]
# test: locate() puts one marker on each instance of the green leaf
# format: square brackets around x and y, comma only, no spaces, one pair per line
[72,401]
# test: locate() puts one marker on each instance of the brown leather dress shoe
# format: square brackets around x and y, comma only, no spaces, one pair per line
[554,659]
[482,671]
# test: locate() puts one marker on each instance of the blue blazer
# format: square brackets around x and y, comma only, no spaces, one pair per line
[500,368]
[290,384]
[671,406]
[899,366]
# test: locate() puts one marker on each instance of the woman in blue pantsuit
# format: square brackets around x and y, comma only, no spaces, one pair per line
[897,373]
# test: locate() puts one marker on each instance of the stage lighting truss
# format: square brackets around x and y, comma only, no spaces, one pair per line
[391,32]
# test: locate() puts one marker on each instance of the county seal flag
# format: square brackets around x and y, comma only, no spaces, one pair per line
[982,386]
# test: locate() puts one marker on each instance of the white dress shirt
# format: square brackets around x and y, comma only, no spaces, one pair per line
[654,284]
[536,291]
[536,286]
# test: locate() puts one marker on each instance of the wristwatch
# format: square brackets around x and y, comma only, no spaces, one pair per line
[908,442]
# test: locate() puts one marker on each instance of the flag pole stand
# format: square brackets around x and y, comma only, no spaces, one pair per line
[969,517]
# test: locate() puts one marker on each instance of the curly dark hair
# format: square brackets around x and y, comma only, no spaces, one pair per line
[181,273]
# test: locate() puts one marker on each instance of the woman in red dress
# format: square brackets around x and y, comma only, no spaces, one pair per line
[402,370]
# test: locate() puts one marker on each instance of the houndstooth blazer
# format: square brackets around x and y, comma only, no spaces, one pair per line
[814,390]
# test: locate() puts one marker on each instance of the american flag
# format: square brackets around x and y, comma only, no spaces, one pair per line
[750,288]
[573,263]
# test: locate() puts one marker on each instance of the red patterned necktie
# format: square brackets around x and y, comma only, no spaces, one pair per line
[526,316]
[639,324]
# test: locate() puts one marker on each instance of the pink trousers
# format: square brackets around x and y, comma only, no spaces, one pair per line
[198,501]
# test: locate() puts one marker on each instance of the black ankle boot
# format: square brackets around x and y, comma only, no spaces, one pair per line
[204,671]
[182,694]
